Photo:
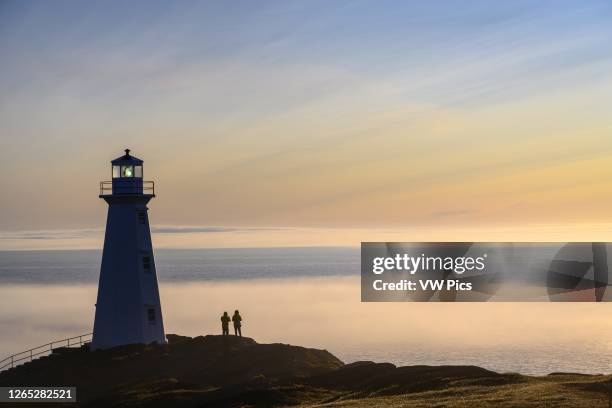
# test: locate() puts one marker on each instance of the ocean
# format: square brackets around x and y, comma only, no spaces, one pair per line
[188,265]
[308,297]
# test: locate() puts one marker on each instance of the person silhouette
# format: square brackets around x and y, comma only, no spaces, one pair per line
[237,319]
[225,319]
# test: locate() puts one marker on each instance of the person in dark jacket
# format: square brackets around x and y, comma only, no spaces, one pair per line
[225,319]
[237,319]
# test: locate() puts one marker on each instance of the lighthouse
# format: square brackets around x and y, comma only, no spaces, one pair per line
[128,308]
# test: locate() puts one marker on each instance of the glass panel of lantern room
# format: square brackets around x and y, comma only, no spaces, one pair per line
[116,173]
[138,171]
[127,171]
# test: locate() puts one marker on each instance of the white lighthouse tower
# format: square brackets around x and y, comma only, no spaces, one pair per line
[128,309]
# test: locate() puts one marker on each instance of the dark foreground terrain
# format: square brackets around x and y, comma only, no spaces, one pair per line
[215,371]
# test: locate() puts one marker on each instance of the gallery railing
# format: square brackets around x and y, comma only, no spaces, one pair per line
[127,187]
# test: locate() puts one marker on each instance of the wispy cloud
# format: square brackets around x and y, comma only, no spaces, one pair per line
[206,230]
[49,234]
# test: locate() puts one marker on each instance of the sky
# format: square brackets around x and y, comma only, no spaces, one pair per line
[296,121]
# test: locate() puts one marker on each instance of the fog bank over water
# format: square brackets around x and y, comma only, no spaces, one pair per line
[183,237]
[326,312]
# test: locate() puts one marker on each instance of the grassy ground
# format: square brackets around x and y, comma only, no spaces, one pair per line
[215,371]
[552,391]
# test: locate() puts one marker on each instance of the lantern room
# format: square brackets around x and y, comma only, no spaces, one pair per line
[126,178]
[127,166]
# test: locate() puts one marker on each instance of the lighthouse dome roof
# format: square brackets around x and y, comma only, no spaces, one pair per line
[127,159]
